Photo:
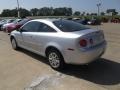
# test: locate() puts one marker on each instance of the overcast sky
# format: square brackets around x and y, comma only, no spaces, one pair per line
[77,5]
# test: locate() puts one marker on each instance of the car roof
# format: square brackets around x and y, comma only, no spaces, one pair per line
[45,20]
[48,22]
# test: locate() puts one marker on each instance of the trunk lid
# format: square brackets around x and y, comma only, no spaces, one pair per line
[93,37]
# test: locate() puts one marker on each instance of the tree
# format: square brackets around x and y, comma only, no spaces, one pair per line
[46,11]
[115,13]
[94,14]
[34,12]
[24,12]
[87,14]
[69,11]
[63,11]
[77,13]
[13,12]
[83,14]
[102,13]
[6,13]
[112,11]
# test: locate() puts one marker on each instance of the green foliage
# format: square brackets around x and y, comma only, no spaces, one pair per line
[34,12]
[14,12]
[112,11]
[63,11]
[102,13]
[6,13]
[45,11]
[24,12]
[77,13]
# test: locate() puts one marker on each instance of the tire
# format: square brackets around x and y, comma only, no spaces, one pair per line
[55,59]
[14,44]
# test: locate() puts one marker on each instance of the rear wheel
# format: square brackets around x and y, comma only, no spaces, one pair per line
[55,59]
[14,44]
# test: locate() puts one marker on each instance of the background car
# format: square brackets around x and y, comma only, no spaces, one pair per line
[61,41]
[82,21]
[115,20]
[94,22]
[15,26]
[4,22]
[4,27]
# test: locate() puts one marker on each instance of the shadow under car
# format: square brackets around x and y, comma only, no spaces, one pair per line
[101,71]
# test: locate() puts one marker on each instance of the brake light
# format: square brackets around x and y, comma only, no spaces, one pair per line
[83,43]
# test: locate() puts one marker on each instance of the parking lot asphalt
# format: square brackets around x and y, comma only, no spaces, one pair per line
[19,69]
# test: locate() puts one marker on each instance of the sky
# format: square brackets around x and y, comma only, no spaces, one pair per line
[77,5]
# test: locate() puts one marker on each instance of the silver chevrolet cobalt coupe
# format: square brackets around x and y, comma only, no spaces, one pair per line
[61,41]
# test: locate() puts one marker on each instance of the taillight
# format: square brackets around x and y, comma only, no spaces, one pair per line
[83,43]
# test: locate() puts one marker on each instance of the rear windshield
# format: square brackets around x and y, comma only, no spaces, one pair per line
[69,26]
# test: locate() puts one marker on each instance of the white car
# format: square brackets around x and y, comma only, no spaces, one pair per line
[61,41]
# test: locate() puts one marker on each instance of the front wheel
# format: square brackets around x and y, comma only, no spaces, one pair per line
[14,44]
[55,59]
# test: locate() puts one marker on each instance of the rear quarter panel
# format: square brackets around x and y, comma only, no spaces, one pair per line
[61,41]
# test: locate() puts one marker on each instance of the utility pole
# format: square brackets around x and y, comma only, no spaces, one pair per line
[18,8]
[98,6]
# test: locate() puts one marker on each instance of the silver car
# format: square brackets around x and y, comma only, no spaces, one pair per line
[61,41]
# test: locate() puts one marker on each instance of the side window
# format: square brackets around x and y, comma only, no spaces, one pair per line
[45,28]
[31,27]
[25,28]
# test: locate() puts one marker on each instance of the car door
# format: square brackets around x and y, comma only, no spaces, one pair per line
[42,37]
[19,38]
[33,44]
[28,32]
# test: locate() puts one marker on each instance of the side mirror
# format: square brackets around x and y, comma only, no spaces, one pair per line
[18,30]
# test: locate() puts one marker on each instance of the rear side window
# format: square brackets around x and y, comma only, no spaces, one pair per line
[45,28]
[69,26]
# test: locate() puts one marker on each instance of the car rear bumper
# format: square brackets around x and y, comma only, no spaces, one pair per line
[85,57]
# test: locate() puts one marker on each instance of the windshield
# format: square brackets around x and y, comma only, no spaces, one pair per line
[69,26]
[16,21]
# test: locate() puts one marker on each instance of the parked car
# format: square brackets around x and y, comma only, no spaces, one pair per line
[13,27]
[5,26]
[82,21]
[115,20]
[94,22]
[61,41]
[4,22]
